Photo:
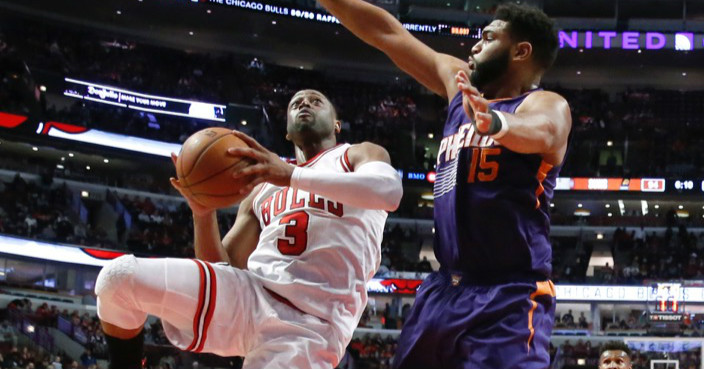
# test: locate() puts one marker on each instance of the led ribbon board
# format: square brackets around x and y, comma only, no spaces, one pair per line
[286,11]
[107,139]
[565,293]
[630,40]
[139,101]
[572,293]
[569,39]
[51,252]
[611,184]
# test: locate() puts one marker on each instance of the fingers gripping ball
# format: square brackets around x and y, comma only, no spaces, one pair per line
[204,168]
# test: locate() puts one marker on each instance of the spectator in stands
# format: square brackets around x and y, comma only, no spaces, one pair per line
[615,355]
[567,348]
[424,265]
[7,334]
[568,319]
[30,224]
[43,314]
[167,361]
[583,321]
[56,363]
[87,358]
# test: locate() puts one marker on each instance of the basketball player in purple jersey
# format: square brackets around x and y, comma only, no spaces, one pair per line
[491,304]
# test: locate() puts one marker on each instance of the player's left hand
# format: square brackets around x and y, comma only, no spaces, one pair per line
[268,167]
[475,106]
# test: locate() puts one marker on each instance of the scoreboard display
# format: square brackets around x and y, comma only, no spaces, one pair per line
[668,304]
[668,297]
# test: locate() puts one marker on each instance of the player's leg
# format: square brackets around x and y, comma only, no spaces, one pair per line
[291,339]
[481,327]
[182,292]
[120,319]
[125,346]
[421,342]
[512,330]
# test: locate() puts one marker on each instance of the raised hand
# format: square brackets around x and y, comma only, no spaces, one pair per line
[475,106]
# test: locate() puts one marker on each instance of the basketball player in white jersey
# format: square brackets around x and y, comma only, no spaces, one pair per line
[305,242]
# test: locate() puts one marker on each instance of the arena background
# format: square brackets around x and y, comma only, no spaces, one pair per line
[94,97]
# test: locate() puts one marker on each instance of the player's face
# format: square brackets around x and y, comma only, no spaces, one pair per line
[614,359]
[490,57]
[310,111]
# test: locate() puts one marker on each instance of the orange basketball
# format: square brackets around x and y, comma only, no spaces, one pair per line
[204,168]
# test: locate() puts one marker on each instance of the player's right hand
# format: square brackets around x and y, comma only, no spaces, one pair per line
[475,105]
[198,209]
[463,84]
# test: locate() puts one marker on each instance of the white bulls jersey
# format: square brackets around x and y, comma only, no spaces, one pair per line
[315,252]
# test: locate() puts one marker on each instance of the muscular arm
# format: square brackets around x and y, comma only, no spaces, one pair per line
[206,239]
[243,237]
[378,28]
[372,184]
[540,125]
[238,243]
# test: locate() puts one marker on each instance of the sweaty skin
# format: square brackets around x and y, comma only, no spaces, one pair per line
[614,359]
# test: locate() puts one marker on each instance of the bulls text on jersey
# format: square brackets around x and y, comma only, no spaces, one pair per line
[280,202]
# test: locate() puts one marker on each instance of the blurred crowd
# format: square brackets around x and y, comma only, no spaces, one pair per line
[583,353]
[23,351]
[630,133]
[84,328]
[676,254]
[635,133]
[640,256]
[377,352]
[383,113]
[39,210]
[44,210]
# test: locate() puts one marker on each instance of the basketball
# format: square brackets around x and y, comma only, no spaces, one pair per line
[204,168]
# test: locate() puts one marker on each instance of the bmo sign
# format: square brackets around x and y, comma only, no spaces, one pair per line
[652,185]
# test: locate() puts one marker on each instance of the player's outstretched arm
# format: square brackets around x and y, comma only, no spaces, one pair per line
[372,184]
[381,30]
[540,125]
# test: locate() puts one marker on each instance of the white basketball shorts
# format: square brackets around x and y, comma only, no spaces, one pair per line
[216,308]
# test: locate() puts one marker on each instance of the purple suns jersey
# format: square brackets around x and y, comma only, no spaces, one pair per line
[491,204]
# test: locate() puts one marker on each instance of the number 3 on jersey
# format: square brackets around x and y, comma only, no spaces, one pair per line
[296,232]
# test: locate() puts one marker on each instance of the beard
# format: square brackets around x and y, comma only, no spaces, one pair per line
[310,127]
[490,70]
[304,124]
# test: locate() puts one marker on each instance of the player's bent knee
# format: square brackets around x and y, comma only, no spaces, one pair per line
[115,275]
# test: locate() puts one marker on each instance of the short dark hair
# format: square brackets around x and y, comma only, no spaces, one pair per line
[332,105]
[528,23]
[616,346]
